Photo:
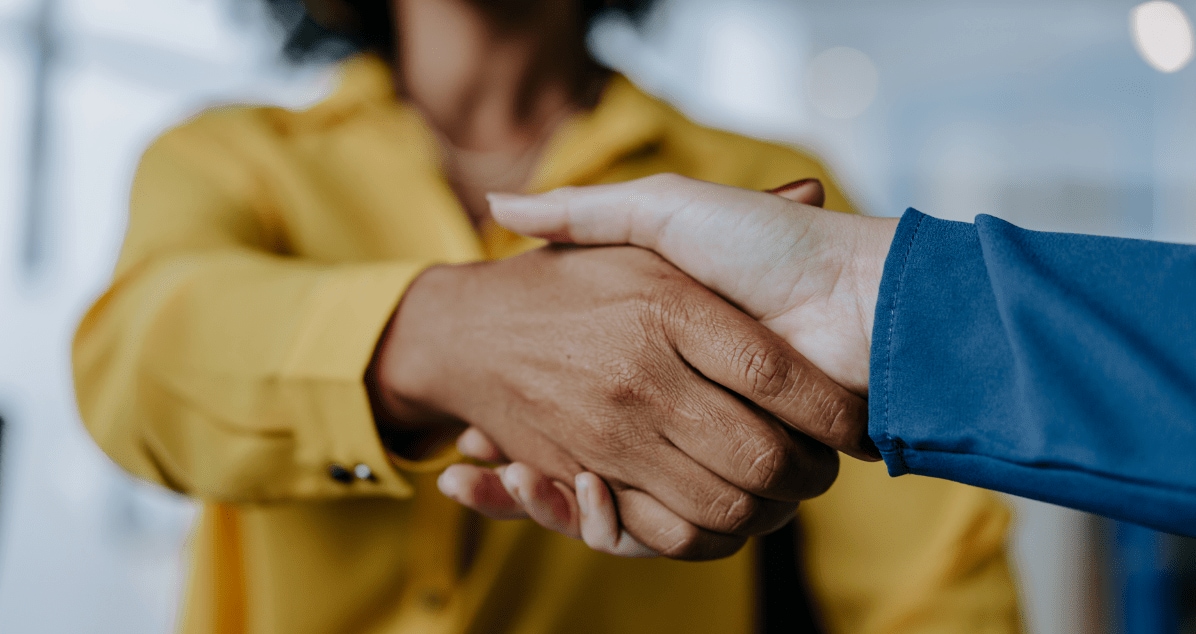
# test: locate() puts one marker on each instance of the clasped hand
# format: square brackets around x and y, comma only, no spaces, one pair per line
[636,409]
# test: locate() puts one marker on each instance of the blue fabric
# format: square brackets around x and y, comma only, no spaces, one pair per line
[1052,366]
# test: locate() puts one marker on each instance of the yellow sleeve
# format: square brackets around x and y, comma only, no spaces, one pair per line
[216,363]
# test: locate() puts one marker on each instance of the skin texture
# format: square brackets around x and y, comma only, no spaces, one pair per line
[611,361]
[811,276]
[607,361]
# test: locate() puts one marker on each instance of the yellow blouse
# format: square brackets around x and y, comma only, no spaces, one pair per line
[265,252]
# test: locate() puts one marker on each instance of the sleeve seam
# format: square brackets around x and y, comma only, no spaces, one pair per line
[893,327]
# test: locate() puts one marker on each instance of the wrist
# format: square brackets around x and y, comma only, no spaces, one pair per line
[871,250]
[407,377]
[836,286]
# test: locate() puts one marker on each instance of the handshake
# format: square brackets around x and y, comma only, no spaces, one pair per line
[672,393]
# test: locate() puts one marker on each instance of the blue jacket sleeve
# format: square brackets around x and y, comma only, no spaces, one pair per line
[1052,366]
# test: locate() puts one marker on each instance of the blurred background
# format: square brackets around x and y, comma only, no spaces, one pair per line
[1055,114]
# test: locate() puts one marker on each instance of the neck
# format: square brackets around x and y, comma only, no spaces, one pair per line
[489,84]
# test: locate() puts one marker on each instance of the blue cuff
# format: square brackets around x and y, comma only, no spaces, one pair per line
[884,323]
[1052,366]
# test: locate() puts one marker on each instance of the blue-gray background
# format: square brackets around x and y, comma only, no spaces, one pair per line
[1041,112]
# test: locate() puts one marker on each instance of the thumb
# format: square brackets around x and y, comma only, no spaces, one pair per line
[744,245]
[635,212]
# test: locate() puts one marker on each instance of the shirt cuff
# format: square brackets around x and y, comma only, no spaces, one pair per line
[930,296]
[885,321]
[338,450]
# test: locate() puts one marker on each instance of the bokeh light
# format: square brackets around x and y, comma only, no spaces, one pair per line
[1162,34]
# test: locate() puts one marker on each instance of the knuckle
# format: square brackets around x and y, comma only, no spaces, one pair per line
[837,429]
[680,541]
[840,416]
[768,468]
[766,369]
[733,511]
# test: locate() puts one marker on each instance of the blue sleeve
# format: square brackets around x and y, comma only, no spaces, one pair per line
[1051,366]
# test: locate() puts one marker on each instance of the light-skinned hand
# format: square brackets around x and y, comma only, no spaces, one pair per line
[808,274]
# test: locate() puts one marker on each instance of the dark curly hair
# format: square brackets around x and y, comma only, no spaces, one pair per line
[366,25]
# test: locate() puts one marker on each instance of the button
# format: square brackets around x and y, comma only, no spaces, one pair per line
[363,472]
[433,600]
[340,474]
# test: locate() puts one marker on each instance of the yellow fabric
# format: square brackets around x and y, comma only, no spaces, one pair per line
[267,249]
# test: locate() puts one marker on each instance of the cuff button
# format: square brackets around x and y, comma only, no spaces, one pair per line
[340,474]
[363,472]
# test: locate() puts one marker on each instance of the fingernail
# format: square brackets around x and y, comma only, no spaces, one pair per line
[445,483]
[794,185]
[582,487]
[508,482]
[515,490]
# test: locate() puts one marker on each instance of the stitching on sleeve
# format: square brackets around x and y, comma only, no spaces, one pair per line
[893,325]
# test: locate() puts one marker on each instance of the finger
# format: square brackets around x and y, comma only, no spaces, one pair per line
[475,444]
[737,352]
[698,496]
[548,502]
[749,448]
[807,191]
[533,447]
[634,212]
[599,521]
[657,528]
[480,489]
